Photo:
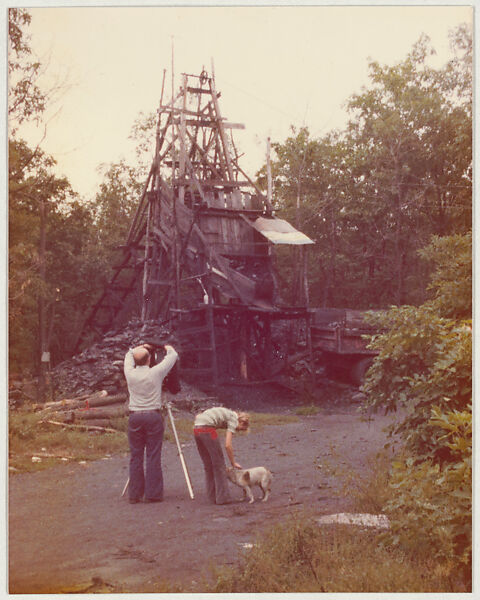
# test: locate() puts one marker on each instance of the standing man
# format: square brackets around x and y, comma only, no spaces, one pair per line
[145,421]
[206,437]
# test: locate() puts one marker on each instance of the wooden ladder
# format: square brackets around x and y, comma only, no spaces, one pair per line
[196,335]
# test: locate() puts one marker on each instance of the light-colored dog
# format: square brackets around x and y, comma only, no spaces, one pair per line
[245,478]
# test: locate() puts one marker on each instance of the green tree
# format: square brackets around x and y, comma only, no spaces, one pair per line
[116,202]
[413,154]
[373,195]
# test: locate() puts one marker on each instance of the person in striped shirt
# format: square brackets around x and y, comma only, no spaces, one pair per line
[205,429]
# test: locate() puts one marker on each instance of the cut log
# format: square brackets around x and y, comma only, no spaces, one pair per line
[84,427]
[107,400]
[82,397]
[90,401]
[100,422]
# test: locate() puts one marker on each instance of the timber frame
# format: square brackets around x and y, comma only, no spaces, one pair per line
[199,253]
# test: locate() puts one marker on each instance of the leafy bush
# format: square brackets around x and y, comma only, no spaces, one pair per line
[424,368]
[435,499]
[423,361]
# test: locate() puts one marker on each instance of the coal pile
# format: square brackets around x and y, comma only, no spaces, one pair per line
[100,367]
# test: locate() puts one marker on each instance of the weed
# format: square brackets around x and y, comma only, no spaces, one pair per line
[368,490]
[299,556]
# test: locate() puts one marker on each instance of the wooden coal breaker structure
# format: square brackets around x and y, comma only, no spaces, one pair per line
[199,251]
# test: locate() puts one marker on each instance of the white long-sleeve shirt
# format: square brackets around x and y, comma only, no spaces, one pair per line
[145,383]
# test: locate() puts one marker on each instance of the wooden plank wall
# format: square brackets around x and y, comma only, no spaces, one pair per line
[228,234]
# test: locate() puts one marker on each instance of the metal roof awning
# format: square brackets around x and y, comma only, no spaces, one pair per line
[279,231]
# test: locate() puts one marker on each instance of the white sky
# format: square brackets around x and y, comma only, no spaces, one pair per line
[275,66]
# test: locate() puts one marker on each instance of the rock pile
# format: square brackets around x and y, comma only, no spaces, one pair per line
[100,367]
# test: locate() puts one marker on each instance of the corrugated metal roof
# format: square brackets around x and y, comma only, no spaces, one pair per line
[279,231]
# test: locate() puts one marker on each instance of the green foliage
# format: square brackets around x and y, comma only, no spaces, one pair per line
[435,499]
[115,203]
[451,280]
[424,368]
[424,356]
[373,195]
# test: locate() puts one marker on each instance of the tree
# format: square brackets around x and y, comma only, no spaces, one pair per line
[115,203]
[34,193]
[373,195]
[25,99]
[413,152]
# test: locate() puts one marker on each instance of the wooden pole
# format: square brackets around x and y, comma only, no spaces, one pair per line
[180,453]
[269,179]
[183,134]
[221,128]
[211,323]
[146,265]
[42,309]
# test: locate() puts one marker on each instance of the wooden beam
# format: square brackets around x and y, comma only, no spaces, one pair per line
[211,124]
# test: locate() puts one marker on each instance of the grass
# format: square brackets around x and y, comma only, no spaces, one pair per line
[368,490]
[29,437]
[299,556]
[308,410]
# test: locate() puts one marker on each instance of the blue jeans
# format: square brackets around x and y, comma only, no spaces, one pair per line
[214,465]
[145,433]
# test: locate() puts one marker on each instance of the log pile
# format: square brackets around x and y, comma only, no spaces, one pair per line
[90,411]
[99,411]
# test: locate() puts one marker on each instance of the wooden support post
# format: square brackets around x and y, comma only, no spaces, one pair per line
[268,347]
[183,135]
[146,266]
[308,329]
[269,179]
[221,128]
[243,348]
[211,326]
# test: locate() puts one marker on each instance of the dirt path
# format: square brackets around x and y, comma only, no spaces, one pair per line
[70,529]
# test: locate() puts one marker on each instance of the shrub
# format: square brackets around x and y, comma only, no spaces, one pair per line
[424,367]
[436,499]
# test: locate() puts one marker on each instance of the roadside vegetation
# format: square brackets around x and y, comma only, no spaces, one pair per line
[299,556]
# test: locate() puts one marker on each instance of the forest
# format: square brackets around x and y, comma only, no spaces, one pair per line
[388,202]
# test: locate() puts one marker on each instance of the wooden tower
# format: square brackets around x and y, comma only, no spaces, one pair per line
[199,252]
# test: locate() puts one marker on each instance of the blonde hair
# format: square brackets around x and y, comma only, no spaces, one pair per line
[244,419]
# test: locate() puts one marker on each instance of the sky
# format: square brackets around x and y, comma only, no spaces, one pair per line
[276,66]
